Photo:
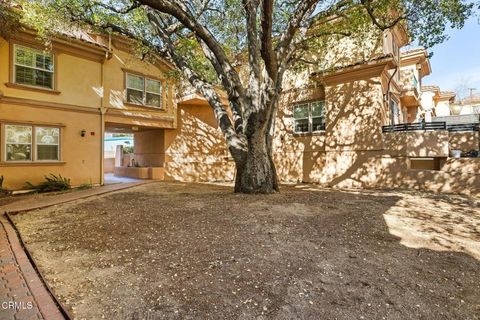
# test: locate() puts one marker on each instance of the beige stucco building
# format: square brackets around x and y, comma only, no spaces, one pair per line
[55,107]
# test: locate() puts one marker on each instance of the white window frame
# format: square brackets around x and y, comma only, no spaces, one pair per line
[395,108]
[35,52]
[145,91]
[155,93]
[310,116]
[305,118]
[33,143]
[42,144]
[5,143]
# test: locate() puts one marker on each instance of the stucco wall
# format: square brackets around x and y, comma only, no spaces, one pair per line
[80,156]
[351,153]
[78,80]
[417,143]
[427,101]
[355,115]
[196,150]
[465,141]
[87,81]
[108,165]
[114,84]
[149,148]
[442,109]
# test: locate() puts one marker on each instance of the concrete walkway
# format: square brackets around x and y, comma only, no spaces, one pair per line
[110,178]
[23,295]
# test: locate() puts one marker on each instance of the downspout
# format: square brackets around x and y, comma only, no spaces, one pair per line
[103,110]
[102,127]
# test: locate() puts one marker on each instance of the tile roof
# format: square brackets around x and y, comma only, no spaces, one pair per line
[430,88]
[413,51]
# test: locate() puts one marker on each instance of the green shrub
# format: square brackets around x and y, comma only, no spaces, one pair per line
[127,149]
[85,186]
[2,191]
[51,183]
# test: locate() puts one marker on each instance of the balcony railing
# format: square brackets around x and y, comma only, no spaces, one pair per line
[415,126]
[463,127]
[431,126]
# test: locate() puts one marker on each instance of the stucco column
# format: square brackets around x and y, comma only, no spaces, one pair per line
[428,116]
[119,156]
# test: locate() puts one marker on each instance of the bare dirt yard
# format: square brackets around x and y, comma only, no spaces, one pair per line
[198,251]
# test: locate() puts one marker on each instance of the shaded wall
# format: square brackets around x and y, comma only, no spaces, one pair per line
[351,153]
[465,141]
[108,165]
[417,143]
[149,148]
[196,150]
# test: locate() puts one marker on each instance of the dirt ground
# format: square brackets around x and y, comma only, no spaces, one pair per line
[198,251]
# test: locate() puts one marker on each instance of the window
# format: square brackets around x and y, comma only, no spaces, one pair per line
[18,143]
[47,143]
[394,108]
[309,117]
[144,91]
[22,142]
[33,67]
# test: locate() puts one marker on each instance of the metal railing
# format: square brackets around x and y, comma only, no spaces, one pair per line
[415,126]
[463,127]
[431,126]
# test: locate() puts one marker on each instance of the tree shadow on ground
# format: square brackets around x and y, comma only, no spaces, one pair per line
[199,251]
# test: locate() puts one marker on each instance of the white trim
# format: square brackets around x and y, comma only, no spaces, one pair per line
[58,144]
[310,116]
[6,144]
[33,144]
[35,52]
[144,91]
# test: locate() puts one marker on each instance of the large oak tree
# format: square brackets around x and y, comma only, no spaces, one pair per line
[207,40]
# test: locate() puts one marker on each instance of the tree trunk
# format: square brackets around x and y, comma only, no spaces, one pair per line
[256,172]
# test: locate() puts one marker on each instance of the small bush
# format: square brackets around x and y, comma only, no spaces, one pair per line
[85,186]
[127,149]
[3,191]
[51,183]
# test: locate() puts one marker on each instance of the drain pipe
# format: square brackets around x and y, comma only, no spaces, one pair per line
[102,110]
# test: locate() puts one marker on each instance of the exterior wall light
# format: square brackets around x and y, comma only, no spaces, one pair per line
[83,132]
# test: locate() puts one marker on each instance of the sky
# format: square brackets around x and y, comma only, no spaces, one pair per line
[457,60]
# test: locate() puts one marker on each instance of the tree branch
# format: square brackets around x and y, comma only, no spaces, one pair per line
[368,7]
[268,55]
[294,24]
[235,142]
[251,7]
[175,10]
[132,7]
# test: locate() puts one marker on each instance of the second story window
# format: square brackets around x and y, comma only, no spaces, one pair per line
[309,117]
[143,91]
[33,67]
